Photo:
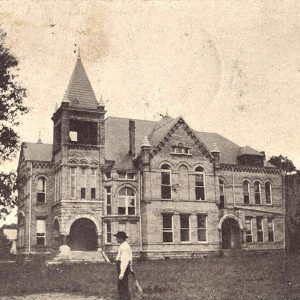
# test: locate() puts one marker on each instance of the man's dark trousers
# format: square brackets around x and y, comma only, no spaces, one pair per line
[123,288]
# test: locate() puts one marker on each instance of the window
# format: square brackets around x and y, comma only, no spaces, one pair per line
[93,183]
[40,232]
[165,182]
[180,149]
[93,193]
[248,227]
[126,201]
[73,136]
[271,237]
[199,184]
[126,175]
[246,192]
[41,190]
[257,190]
[184,228]
[73,181]
[260,229]
[222,193]
[167,228]
[201,228]
[268,192]
[82,193]
[108,232]
[108,200]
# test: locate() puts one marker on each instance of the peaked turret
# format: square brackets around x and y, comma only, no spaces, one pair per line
[80,92]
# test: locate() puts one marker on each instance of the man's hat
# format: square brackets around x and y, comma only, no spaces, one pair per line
[121,234]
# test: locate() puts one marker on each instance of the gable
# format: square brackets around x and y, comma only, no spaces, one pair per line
[179,135]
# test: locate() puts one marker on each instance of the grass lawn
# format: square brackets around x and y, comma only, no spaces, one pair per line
[252,277]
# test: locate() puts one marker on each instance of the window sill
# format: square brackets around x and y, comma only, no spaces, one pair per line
[181,154]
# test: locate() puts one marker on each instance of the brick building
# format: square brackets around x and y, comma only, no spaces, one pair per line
[175,191]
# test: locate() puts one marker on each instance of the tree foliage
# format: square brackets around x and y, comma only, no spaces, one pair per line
[11,108]
[11,101]
[283,163]
[5,245]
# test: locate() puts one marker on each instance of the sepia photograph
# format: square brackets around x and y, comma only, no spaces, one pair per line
[149,149]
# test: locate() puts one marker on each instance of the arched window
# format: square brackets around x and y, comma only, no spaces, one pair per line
[246,191]
[199,183]
[41,190]
[222,193]
[268,192]
[126,204]
[257,192]
[166,182]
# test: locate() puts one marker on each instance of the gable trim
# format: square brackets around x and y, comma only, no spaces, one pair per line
[166,136]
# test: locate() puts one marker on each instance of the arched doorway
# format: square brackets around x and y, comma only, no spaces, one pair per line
[231,234]
[83,235]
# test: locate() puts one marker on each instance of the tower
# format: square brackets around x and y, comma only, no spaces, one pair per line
[78,154]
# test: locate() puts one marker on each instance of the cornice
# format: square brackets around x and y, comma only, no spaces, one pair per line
[249,169]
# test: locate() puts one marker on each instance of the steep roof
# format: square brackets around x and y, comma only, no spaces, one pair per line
[80,92]
[117,139]
[37,151]
[249,151]
[117,142]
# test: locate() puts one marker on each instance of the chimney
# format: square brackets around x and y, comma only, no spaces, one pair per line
[132,137]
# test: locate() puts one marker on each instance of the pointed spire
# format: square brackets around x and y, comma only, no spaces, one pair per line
[78,56]
[39,140]
[101,101]
[146,142]
[80,92]
[167,112]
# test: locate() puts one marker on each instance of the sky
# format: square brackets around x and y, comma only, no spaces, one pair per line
[230,67]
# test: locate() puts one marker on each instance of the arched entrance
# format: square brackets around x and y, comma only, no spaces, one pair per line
[231,234]
[83,235]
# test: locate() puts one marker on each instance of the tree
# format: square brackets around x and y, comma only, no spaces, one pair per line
[11,108]
[5,245]
[283,163]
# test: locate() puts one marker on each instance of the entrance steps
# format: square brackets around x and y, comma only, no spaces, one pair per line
[79,256]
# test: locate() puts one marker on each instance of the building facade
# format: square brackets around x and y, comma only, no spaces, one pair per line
[175,191]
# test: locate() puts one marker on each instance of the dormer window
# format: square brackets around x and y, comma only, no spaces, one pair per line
[180,149]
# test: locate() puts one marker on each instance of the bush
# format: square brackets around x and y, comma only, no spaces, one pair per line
[5,246]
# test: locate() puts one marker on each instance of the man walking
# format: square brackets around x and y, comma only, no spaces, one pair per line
[124,260]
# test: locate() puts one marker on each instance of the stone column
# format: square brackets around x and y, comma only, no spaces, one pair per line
[64,249]
[99,242]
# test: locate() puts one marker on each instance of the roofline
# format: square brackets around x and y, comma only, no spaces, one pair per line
[130,119]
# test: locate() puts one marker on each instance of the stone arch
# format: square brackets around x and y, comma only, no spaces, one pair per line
[166,162]
[129,185]
[183,163]
[73,161]
[69,223]
[232,217]
[231,232]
